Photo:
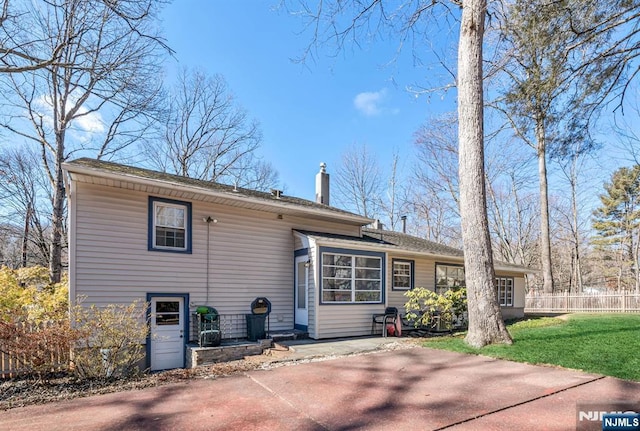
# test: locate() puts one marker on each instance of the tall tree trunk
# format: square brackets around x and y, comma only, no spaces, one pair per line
[576,232]
[485,318]
[25,235]
[636,257]
[57,217]
[545,234]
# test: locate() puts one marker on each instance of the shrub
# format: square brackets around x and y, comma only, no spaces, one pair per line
[34,324]
[26,295]
[424,305]
[110,343]
[38,332]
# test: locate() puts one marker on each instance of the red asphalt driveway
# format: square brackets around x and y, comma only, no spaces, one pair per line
[417,388]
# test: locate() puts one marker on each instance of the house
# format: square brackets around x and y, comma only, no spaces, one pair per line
[178,243]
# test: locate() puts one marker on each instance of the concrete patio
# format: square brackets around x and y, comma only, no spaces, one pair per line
[408,388]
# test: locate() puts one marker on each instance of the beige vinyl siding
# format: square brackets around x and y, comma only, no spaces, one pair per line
[345,320]
[251,254]
[339,320]
[424,276]
[518,292]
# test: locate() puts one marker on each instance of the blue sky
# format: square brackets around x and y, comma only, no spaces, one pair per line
[312,113]
[308,113]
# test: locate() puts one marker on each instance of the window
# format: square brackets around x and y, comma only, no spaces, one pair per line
[402,274]
[449,277]
[169,225]
[351,277]
[504,287]
[167,313]
[452,277]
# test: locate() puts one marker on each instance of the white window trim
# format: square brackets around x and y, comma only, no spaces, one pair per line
[508,287]
[153,224]
[410,264]
[185,211]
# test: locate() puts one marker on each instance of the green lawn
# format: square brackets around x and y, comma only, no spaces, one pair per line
[606,344]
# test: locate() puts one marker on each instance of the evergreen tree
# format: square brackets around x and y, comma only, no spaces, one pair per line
[617,221]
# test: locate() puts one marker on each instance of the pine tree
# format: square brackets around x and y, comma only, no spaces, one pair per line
[617,221]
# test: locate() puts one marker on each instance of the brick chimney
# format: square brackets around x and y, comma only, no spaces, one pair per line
[322,185]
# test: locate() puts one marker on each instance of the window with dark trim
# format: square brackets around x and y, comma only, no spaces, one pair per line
[449,277]
[350,276]
[402,274]
[169,225]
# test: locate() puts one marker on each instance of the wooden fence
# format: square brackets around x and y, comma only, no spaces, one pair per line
[572,302]
[13,363]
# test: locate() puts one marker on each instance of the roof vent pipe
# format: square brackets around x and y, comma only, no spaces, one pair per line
[404,223]
[277,193]
[322,185]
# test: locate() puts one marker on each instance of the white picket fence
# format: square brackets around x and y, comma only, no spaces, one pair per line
[573,302]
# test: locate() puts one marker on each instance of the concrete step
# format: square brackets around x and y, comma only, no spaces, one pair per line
[293,334]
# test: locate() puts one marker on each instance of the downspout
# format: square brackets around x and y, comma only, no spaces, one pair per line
[208,220]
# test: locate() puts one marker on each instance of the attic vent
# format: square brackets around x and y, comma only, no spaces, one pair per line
[277,193]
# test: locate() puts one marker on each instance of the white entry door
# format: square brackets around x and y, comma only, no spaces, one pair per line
[167,333]
[302,293]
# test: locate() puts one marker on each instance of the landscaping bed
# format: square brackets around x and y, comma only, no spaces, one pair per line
[19,392]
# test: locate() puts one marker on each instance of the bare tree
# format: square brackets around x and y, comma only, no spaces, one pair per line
[253,173]
[359,185]
[207,135]
[25,205]
[513,214]
[606,33]
[10,247]
[25,49]
[92,98]
[548,103]
[396,202]
[569,216]
[404,19]
[436,196]
[437,153]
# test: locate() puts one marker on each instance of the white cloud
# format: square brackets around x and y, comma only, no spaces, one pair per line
[83,126]
[369,103]
[90,123]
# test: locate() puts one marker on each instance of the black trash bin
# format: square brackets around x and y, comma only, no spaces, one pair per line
[255,326]
[260,309]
